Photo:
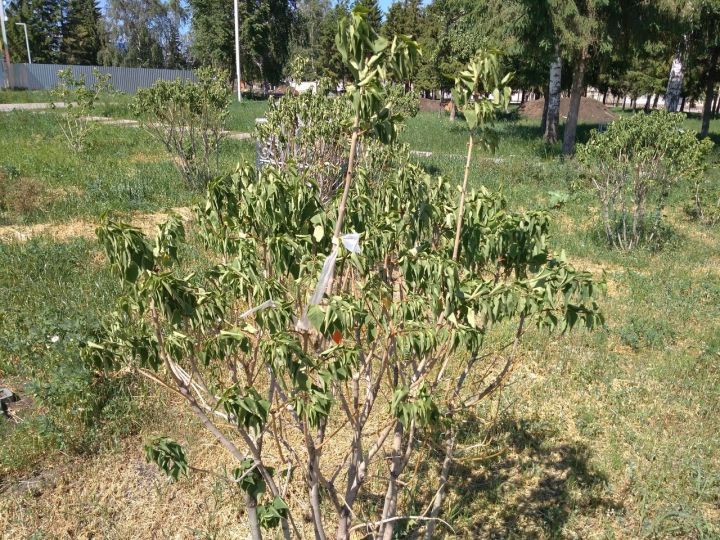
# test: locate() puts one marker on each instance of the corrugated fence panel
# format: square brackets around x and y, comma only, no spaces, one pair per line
[124,79]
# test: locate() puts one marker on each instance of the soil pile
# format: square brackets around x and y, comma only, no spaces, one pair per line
[434,105]
[591,110]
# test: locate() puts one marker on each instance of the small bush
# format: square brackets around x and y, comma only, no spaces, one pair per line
[405,103]
[188,118]
[20,196]
[633,165]
[79,100]
[310,131]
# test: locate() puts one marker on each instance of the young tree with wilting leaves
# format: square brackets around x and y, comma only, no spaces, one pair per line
[334,337]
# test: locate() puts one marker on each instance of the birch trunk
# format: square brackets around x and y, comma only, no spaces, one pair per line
[543,122]
[553,99]
[675,84]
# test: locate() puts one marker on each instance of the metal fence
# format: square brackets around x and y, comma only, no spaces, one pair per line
[124,79]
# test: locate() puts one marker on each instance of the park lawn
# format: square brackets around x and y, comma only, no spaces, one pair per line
[611,434]
[25,96]
[122,170]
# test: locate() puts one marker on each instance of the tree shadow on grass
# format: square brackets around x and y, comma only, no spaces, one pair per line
[530,490]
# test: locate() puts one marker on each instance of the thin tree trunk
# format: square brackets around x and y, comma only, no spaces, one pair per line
[647,103]
[574,109]
[390,506]
[617,100]
[543,122]
[552,99]
[624,102]
[716,111]
[461,206]
[655,101]
[522,96]
[253,522]
[709,91]
[604,98]
[675,83]
[453,111]
[440,495]
[682,104]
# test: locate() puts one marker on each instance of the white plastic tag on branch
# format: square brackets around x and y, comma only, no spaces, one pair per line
[351,242]
[265,304]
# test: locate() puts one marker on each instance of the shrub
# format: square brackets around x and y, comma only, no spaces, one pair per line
[79,101]
[188,118]
[633,165]
[318,385]
[20,197]
[404,102]
[310,131]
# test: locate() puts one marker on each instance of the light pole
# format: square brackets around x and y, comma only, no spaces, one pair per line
[6,53]
[27,43]
[237,51]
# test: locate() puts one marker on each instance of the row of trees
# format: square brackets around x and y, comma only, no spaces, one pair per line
[134,33]
[623,47]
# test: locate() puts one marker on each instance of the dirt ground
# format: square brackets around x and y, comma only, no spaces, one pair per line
[85,229]
[591,110]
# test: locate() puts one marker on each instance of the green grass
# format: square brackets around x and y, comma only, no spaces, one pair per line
[123,170]
[25,96]
[242,115]
[611,434]
[53,296]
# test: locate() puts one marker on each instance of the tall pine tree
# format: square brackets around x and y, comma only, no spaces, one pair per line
[81,33]
[404,17]
[265,27]
[44,19]
[374,12]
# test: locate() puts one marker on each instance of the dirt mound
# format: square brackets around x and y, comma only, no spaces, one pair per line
[591,110]
[434,105]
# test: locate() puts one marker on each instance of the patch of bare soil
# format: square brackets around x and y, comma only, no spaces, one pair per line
[434,105]
[591,110]
[85,229]
[142,157]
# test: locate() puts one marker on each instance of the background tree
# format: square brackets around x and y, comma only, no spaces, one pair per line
[330,63]
[44,19]
[374,16]
[265,27]
[404,17]
[142,33]
[589,29]
[81,33]
[306,35]
[704,53]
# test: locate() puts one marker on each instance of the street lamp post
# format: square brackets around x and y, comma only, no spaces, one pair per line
[4,35]
[237,51]
[27,43]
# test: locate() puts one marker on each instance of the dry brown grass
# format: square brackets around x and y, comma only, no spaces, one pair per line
[86,229]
